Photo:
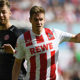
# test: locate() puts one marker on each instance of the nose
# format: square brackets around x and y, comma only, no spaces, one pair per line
[38,22]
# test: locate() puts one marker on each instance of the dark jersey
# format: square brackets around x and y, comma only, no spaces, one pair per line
[6,59]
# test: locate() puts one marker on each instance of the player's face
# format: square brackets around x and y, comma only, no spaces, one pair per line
[4,15]
[37,21]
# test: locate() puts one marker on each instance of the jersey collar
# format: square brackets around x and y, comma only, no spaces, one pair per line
[37,34]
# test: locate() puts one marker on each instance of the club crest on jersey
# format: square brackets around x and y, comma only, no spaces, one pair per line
[6,37]
[50,36]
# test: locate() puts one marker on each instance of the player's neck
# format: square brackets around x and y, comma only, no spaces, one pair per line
[5,26]
[37,32]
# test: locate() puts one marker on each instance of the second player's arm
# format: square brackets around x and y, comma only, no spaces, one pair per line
[16,69]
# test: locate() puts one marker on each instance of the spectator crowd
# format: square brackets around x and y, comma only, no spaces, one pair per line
[56,10]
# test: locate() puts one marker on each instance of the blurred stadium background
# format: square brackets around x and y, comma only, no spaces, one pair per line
[60,14]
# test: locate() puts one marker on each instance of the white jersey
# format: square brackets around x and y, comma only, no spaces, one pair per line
[41,52]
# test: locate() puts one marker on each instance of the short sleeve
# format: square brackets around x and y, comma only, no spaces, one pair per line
[20,53]
[65,36]
[62,36]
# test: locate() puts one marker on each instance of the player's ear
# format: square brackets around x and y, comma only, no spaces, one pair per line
[30,19]
[10,13]
[45,20]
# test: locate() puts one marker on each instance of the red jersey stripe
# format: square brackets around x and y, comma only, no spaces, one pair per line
[27,38]
[43,66]
[53,66]
[32,68]
[49,34]
[39,39]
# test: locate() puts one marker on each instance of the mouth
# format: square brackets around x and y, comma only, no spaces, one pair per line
[38,26]
[1,19]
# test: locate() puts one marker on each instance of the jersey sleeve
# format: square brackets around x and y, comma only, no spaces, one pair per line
[62,36]
[20,48]
[65,37]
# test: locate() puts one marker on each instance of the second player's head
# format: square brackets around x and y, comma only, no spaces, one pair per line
[5,12]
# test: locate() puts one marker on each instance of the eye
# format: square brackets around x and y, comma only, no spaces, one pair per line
[36,19]
[3,12]
[41,19]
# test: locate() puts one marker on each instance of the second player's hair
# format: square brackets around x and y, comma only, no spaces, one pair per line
[4,2]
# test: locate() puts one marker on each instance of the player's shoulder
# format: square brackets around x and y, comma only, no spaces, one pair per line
[12,28]
[53,29]
[20,38]
[24,34]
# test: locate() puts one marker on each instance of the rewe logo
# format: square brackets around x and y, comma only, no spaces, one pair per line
[41,48]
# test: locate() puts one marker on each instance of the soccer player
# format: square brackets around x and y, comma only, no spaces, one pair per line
[8,36]
[39,47]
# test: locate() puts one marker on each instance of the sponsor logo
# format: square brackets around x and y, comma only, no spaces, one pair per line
[41,48]
[6,37]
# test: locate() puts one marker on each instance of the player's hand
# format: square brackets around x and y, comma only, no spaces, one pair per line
[8,48]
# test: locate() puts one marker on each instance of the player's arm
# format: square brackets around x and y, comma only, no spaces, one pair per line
[16,69]
[75,38]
